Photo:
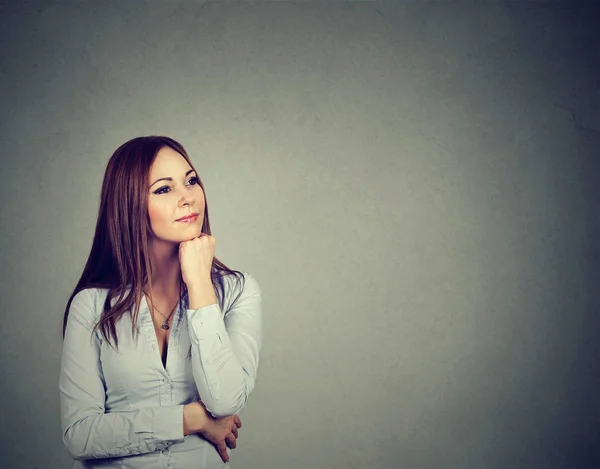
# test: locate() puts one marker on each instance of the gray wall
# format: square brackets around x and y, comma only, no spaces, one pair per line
[411,183]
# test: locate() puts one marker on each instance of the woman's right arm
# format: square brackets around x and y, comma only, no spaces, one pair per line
[89,432]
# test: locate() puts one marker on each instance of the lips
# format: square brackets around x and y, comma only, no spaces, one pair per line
[189,217]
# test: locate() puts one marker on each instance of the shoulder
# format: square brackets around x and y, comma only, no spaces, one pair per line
[239,287]
[87,305]
[89,296]
[245,284]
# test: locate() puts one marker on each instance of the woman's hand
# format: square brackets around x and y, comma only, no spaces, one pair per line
[195,259]
[221,432]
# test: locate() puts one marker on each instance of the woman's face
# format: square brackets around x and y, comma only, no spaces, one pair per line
[174,193]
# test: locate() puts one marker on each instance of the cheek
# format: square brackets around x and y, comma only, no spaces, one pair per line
[157,213]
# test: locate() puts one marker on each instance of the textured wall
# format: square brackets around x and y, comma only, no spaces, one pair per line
[411,183]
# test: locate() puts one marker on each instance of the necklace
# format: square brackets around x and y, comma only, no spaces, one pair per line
[166,325]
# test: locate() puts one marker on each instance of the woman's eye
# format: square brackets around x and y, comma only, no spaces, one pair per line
[162,190]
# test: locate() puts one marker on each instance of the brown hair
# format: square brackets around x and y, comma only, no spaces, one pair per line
[119,258]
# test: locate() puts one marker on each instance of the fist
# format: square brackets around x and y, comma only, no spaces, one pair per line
[195,258]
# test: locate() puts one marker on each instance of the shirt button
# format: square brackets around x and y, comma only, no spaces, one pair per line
[165,451]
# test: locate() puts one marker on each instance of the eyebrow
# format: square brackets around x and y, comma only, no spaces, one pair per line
[170,179]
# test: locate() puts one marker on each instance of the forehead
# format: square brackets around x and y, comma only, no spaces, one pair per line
[168,163]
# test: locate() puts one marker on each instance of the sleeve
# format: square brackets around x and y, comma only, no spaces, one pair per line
[89,432]
[225,350]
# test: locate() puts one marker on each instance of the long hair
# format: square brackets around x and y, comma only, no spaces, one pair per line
[119,259]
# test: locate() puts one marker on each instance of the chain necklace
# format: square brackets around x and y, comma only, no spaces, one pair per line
[166,325]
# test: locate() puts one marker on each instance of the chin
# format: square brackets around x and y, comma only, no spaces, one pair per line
[174,240]
[191,235]
[178,236]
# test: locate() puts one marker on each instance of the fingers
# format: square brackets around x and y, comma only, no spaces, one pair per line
[237,421]
[230,440]
[222,449]
[234,430]
[210,238]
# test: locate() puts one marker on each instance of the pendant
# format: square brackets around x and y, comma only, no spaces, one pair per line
[165,326]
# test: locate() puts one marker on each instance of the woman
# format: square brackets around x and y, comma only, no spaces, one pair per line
[161,339]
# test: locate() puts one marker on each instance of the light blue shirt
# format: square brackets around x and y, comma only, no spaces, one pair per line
[123,409]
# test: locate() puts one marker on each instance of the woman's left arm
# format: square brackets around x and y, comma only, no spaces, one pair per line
[225,349]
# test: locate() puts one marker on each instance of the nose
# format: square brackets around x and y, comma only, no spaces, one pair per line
[186,199]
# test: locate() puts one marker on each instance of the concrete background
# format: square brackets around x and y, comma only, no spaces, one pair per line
[413,184]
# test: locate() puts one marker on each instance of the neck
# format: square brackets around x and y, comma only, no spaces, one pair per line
[166,269]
